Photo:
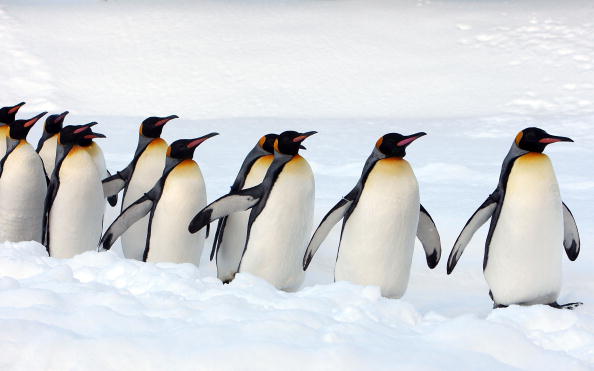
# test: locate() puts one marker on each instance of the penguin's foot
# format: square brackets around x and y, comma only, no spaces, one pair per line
[226,282]
[498,306]
[569,306]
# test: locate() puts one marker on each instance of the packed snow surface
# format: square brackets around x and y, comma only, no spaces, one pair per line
[469,73]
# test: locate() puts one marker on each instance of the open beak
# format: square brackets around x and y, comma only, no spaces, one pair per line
[411,138]
[15,108]
[165,120]
[196,142]
[33,120]
[554,139]
[302,137]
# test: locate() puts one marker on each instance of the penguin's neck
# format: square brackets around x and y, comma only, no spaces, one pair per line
[12,144]
[171,163]
[514,153]
[143,142]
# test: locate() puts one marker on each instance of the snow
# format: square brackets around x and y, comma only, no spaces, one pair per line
[470,74]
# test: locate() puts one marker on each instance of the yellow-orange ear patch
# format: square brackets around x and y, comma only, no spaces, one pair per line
[261,142]
[276,145]
[379,142]
[519,137]
[169,151]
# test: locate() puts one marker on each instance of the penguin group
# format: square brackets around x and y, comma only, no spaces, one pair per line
[56,194]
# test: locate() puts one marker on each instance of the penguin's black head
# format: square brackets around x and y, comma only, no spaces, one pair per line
[8,114]
[289,142]
[53,123]
[535,139]
[85,138]
[183,149]
[394,144]
[20,128]
[73,134]
[153,126]
[267,142]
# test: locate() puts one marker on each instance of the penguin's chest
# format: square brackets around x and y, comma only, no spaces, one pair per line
[183,196]
[98,159]
[76,216]
[378,238]
[22,193]
[4,130]
[147,171]
[524,256]
[234,235]
[48,154]
[278,236]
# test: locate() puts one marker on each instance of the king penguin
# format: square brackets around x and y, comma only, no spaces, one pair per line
[74,205]
[281,215]
[139,177]
[529,224]
[49,140]
[23,186]
[7,116]
[170,205]
[381,217]
[231,231]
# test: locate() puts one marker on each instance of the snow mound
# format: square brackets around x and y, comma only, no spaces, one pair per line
[99,311]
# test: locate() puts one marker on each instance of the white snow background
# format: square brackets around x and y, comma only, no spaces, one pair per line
[469,73]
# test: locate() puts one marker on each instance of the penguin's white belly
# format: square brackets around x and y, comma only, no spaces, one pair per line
[4,130]
[77,212]
[22,194]
[48,154]
[378,239]
[184,195]
[233,241]
[147,172]
[524,259]
[279,235]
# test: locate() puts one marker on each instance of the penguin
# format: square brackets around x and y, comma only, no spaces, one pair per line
[281,215]
[7,116]
[139,177]
[73,213]
[381,217]
[231,230]
[170,204]
[46,147]
[529,223]
[22,186]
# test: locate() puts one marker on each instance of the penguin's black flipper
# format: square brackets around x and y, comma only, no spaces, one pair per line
[332,217]
[226,205]
[571,241]
[52,191]
[480,217]
[113,200]
[429,236]
[114,184]
[129,216]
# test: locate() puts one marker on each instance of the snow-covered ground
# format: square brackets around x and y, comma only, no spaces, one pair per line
[469,73]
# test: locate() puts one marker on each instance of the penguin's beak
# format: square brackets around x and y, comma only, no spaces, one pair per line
[196,142]
[61,116]
[33,120]
[93,135]
[554,139]
[165,120]
[302,137]
[16,107]
[411,138]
